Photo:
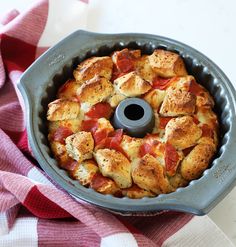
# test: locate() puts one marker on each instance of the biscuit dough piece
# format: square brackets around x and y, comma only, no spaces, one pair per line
[115,165]
[80,145]
[131,146]
[85,171]
[131,85]
[144,69]
[177,103]
[95,90]
[101,66]
[197,161]
[182,132]
[69,90]
[63,109]
[167,64]
[148,174]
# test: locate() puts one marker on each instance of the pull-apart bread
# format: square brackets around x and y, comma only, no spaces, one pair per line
[179,148]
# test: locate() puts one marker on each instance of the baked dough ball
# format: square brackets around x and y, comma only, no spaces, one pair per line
[131,85]
[131,146]
[85,171]
[148,174]
[115,165]
[80,145]
[95,90]
[144,68]
[69,90]
[63,109]
[167,64]
[177,103]
[116,98]
[104,185]
[155,97]
[101,66]
[182,132]
[197,161]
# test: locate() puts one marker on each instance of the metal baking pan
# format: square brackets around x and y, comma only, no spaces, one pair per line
[40,82]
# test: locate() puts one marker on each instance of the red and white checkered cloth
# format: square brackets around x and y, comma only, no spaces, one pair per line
[33,210]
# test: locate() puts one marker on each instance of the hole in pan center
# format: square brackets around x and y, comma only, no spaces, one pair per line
[134,112]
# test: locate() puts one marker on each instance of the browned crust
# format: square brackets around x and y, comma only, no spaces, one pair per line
[131,85]
[95,90]
[148,174]
[84,172]
[69,90]
[101,66]
[167,64]
[80,145]
[63,109]
[177,103]
[182,132]
[197,161]
[115,165]
[144,69]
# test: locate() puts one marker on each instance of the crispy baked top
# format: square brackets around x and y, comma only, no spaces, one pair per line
[179,148]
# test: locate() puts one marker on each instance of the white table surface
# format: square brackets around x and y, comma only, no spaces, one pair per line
[208,26]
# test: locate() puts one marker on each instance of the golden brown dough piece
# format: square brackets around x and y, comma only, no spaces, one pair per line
[84,172]
[80,145]
[144,69]
[148,174]
[115,165]
[177,103]
[182,132]
[101,66]
[155,97]
[131,146]
[167,64]
[63,109]
[69,90]
[95,90]
[197,161]
[131,85]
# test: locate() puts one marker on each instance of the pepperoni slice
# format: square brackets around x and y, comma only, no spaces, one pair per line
[148,147]
[171,159]
[98,181]
[90,125]
[207,131]
[195,88]
[100,110]
[161,83]
[69,165]
[99,135]
[124,62]
[112,141]
[163,121]
[61,133]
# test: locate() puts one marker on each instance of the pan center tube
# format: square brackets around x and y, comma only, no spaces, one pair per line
[134,116]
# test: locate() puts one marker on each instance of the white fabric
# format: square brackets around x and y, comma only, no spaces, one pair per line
[3,224]
[119,239]
[22,234]
[37,177]
[200,231]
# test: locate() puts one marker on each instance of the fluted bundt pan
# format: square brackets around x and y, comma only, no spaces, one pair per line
[41,81]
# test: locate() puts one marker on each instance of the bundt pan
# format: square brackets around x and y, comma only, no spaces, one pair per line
[41,81]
